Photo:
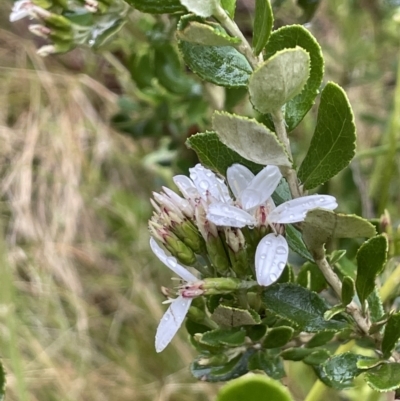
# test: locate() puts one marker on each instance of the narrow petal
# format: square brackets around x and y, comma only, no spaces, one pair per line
[181,203]
[207,182]
[171,321]
[171,262]
[261,187]
[271,257]
[186,186]
[295,210]
[223,214]
[239,178]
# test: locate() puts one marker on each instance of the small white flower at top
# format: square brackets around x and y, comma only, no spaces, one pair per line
[253,192]
[175,315]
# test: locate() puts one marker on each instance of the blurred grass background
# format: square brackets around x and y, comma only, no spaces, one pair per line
[80,291]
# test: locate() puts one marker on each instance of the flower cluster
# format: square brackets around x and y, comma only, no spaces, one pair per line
[209,230]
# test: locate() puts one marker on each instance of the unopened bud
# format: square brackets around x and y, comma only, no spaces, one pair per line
[178,249]
[220,285]
[190,235]
[385,222]
[91,5]
[57,21]
[217,254]
[44,51]
[39,30]
[240,263]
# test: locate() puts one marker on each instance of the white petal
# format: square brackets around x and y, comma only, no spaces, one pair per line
[207,182]
[296,210]
[239,178]
[271,257]
[261,187]
[181,203]
[171,321]
[171,262]
[186,186]
[223,214]
[17,15]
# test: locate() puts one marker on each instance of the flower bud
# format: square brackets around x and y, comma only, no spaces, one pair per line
[190,235]
[178,249]
[55,21]
[217,254]
[237,251]
[40,30]
[220,285]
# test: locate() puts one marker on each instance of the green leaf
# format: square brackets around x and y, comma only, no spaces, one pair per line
[257,332]
[334,141]
[250,139]
[391,335]
[157,6]
[229,316]
[230,338]
[318,357]
[279,79]
[204,8]
[371,259]
[229,6]
[206,34]
[263,22]
[375,306]
[2,382]
[289,37]
[348,290]
[278,337]
[309,7]
[234,368]
[342,369]
[322,225]
[194,328]
[221,65]
[254,388]
[335,310]
[303,307]
[321,338]
[385,377]
[215,155]
[296,243]
[272,365]
[295,354]
[168,70]
[311,277]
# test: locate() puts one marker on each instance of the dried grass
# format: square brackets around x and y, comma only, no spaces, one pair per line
[79,310]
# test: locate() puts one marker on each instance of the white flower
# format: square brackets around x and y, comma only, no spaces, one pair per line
[174,316]
[251,193]
[26,8]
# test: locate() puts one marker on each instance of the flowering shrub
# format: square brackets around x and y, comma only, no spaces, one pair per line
[246,307]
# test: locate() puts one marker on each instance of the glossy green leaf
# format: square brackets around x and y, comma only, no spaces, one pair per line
[371,259]
[157,6]
[295,354]
[272,365]
[263,22]
[254,388]
[300,306]
[221,65]
[279,79]
[348,290]
[2,382]
[228,316]
[322,225]
[203,8]
[391,334]
[291,36]
[230,338]
[296,243]
[194,328]
[321,338]
[215,155]
[205,34]
[234,368]
[311,277]
[278,337]
[385,377]
[334,141]
[342,369]
[250,139]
